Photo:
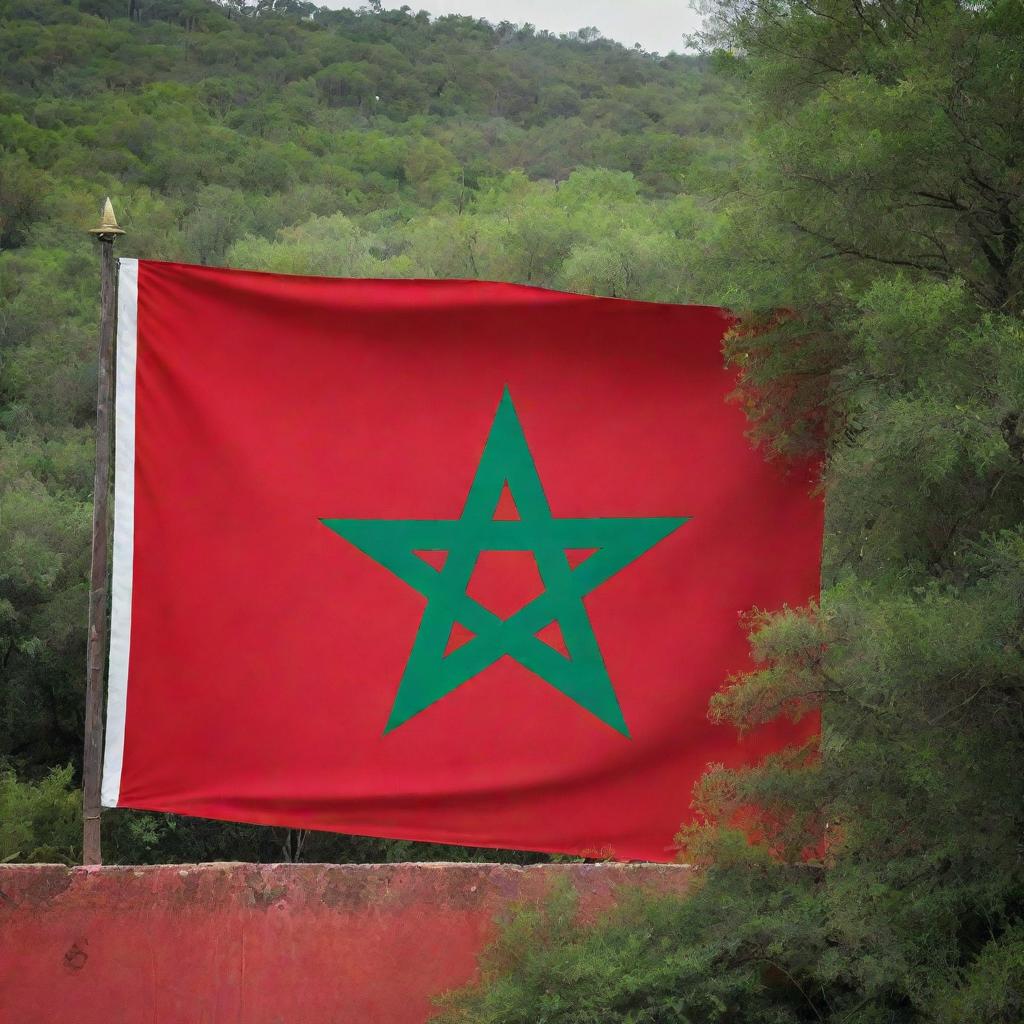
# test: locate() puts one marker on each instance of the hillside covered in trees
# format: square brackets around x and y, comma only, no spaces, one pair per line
[285,137]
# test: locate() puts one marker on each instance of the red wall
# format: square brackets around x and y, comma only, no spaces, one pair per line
[262,944]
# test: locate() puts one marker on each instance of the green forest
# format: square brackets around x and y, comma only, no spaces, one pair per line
[847,177]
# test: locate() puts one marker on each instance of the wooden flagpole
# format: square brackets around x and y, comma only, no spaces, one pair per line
[106,233]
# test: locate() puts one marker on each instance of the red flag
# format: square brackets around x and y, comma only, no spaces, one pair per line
[440,560]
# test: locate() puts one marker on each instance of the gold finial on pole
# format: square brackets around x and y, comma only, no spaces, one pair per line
[108,222]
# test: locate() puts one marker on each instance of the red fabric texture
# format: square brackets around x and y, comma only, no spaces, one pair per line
[266,651]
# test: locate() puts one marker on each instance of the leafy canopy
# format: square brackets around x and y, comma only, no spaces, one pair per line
[874,234]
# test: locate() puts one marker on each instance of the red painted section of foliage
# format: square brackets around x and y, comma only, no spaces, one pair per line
[263,944]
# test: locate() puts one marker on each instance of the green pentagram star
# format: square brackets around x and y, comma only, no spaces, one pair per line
[430,673]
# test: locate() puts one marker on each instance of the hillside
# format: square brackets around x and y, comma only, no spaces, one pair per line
[336,111]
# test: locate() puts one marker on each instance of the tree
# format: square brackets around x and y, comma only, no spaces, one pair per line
[41,821]
[873,236]
[21,199]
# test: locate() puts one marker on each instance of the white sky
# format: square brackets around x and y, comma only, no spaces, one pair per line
[658,25]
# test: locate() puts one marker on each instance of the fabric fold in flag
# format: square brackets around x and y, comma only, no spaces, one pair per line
[451,561]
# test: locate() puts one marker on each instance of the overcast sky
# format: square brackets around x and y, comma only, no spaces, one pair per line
[655,24]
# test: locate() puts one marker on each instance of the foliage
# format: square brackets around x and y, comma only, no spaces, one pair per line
[875,232]
[40,821]
[307,140]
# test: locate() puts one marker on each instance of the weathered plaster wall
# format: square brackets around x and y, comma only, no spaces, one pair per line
[262,944]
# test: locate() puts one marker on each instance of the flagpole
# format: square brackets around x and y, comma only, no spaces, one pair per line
[106,234]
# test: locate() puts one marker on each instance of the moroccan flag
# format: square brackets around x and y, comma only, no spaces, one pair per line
[437,560]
